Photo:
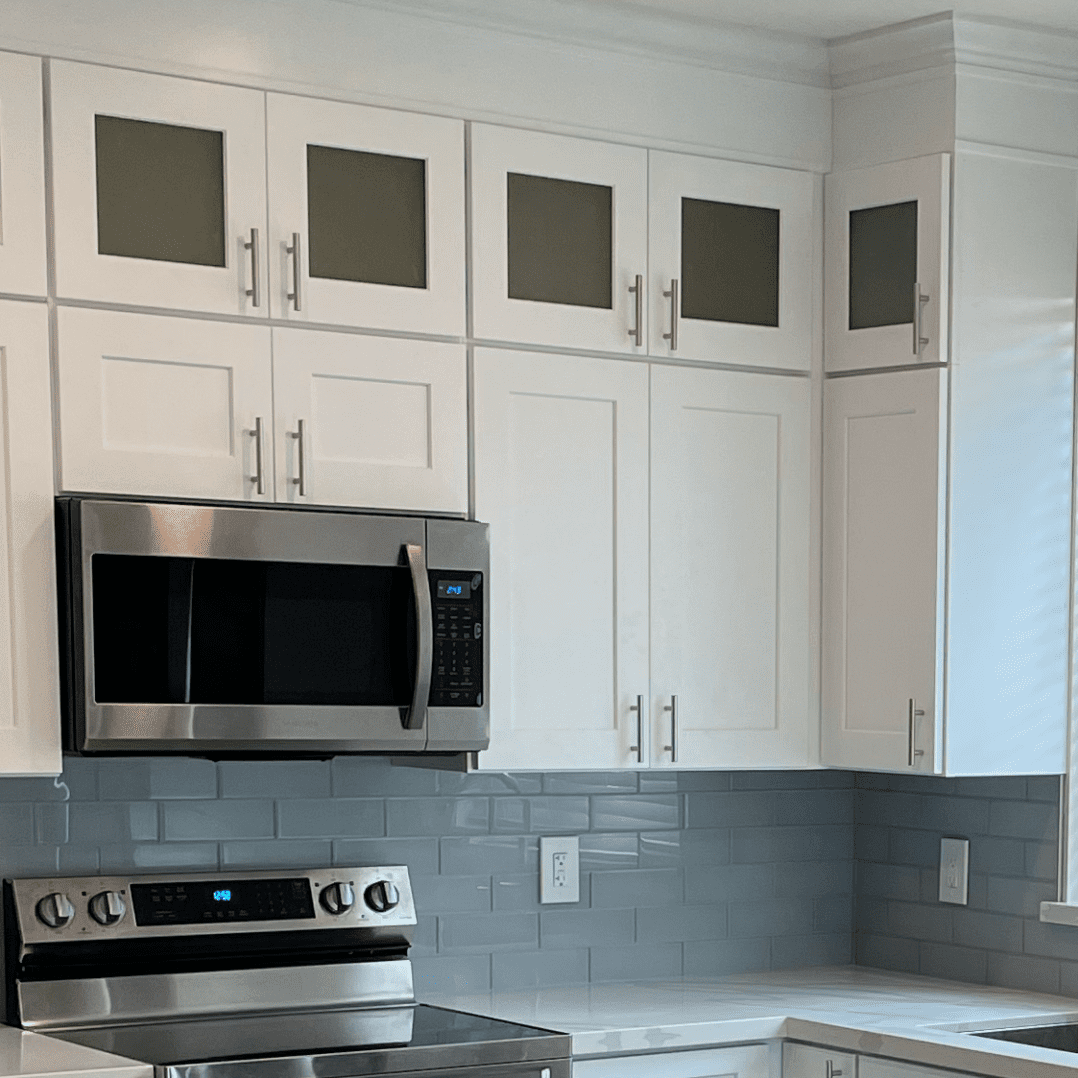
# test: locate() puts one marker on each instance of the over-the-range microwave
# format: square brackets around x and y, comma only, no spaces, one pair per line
[218,630]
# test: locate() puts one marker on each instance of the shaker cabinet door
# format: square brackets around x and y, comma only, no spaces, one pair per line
[173,407]
[366,214]
[559,240]
[730,249]
[29,666]
[887,264]
[22,177]
[160,190]
[561,462]
[370,421]
[730,641]
[884,547]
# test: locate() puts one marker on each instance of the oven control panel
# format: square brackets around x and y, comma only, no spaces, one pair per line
[457,600]
[98,907]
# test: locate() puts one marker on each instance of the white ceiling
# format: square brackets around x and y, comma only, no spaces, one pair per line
[837,18]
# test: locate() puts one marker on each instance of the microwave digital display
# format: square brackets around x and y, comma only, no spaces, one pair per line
[454,589]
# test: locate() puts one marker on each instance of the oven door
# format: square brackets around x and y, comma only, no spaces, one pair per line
[216,630]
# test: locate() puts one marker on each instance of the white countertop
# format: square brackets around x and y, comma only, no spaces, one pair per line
[917,1019]
[31,1055]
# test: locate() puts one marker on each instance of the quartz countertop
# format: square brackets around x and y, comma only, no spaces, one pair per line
[33,1055]
[917,1019]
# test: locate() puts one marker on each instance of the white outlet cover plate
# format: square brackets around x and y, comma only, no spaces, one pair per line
[954,870]
[559,868]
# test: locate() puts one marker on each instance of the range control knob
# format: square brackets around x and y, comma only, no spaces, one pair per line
[107,908]
[338,898]
[381,896]
[55,910]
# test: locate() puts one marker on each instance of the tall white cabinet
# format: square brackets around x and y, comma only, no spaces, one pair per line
[29,667]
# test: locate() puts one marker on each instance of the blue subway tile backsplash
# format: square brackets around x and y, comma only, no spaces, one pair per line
[682,874]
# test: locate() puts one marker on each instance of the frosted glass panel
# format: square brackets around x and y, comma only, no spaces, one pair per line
[729,262]
[160,191]
[367,217]
[883,265]
[560,241]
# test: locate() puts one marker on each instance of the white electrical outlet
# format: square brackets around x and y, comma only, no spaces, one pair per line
[559,869]
[954,870]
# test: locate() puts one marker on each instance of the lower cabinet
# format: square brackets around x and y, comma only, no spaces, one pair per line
[743,1061]
[808,1061]
[871,1067]
[29,674]
[183,408]
[649,539]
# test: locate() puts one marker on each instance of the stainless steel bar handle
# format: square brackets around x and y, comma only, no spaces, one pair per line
[424,659]
[259,478]
[638,748]
[252,246]
[831,1071]
[672,747]
[915,713]
[637,330]
[919,302]
[301,479]
[672,296]
[294,251]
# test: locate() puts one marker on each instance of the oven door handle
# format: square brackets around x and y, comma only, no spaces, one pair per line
[424,659]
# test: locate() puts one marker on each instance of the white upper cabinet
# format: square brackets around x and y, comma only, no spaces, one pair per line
[559,240]
[887,257]
[366,211]
[159,189]
[730,646]
[370,422]
[730,256]
[561,451]
[29,667]
[884,520]
[164,406]
[22,177]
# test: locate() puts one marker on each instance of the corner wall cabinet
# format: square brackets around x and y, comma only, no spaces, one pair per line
[947,504]
[730,253]
[29,666]
[22,177]
[177,407]
[160,190]
[742,1061]
[888,264]
[693,655]
[375,199]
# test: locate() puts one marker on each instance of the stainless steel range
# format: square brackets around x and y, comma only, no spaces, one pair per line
[247,975]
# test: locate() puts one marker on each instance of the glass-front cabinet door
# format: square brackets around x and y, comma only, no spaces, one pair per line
[730,248]
[366,216]
[159,190]
[887,259]
[559,240]
[22,177]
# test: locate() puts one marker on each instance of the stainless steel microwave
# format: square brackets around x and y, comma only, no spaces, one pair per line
[216,631]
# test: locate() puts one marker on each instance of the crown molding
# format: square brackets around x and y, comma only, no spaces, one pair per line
[623,27]
[1016,48]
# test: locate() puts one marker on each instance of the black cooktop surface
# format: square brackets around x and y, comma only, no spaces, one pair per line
[325,1044]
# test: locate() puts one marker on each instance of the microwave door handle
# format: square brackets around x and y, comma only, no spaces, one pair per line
[417,562]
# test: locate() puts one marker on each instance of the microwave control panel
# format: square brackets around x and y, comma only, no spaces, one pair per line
[457,599]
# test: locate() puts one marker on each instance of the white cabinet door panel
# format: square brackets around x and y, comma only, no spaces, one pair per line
[333,289]
[192,249]
[561,459]
[163,406]
[769,208]
[29,667]
[808,1061]
[730,637]
[871,1067]
[743,1061]
[884,546]
[22,177]
[385,422]
[887,229]
[563,189]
